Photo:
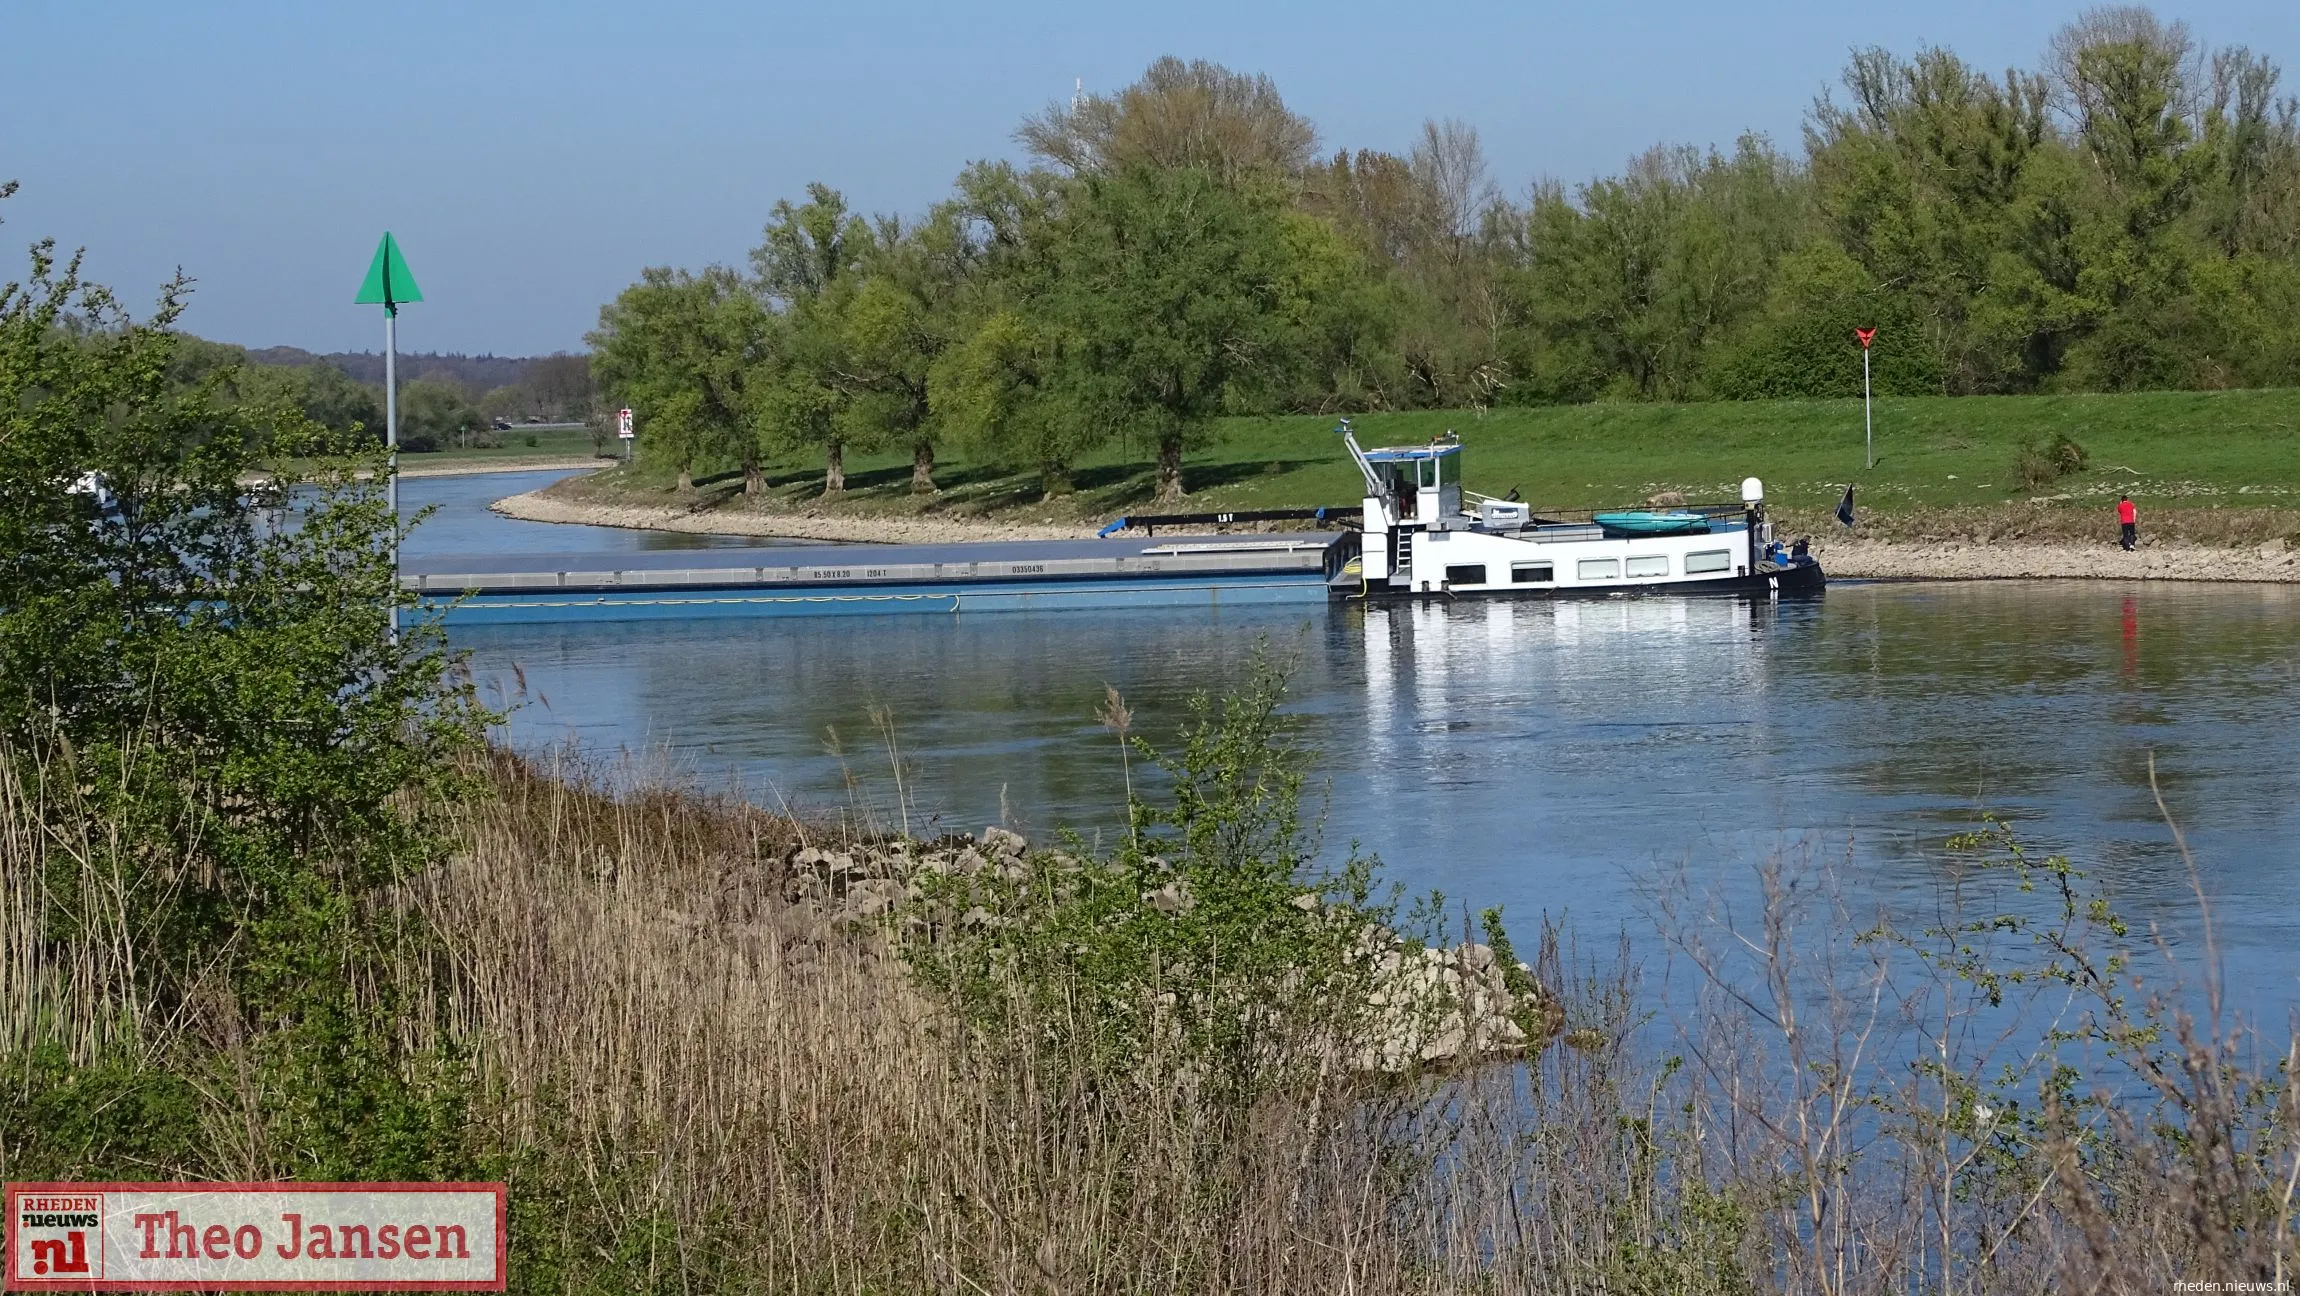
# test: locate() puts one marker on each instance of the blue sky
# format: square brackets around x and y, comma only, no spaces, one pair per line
[532,157]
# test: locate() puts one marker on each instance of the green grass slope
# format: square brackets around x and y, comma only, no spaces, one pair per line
[2208,465]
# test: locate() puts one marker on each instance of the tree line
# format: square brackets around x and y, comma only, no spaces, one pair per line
[2124,216]
[445,400]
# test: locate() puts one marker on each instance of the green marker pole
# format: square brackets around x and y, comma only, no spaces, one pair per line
[391,427]
[389,282]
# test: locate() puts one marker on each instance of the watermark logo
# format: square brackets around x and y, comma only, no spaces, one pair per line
[270,1237]
[55,1231]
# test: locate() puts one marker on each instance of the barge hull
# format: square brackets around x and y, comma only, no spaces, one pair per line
[845,580]
[852,600]
[1800,581]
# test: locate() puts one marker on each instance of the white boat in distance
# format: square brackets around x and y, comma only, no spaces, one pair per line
[1419,541]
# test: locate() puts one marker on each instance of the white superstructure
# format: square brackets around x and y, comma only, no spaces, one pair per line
[1418,538]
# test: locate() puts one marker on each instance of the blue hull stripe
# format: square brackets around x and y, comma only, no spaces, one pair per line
[556,605]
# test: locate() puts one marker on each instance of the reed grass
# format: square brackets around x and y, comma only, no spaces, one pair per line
[696,1083]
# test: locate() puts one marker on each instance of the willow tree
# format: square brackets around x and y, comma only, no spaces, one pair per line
[808,272]
[1166,306]
[997,389]
[682,351]
[896,324]
[1195,115]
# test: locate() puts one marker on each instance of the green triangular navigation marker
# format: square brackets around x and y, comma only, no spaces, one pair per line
[390,284]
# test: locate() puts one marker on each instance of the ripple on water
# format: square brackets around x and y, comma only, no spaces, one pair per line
[1540,756]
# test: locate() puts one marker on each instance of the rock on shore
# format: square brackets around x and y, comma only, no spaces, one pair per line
[1426,1007]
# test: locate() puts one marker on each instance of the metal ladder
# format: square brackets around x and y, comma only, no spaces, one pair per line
[1405,561]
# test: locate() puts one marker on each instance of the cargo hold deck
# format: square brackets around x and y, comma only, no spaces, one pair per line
[1006,575]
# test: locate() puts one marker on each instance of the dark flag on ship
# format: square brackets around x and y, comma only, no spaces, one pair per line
[1845,507]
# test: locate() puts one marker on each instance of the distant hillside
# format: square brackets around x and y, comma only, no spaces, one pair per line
[475,374]
[490,387]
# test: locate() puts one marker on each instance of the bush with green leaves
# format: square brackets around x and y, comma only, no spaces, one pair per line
[436,415]
[2040,465]
[220,753]
[1208,942]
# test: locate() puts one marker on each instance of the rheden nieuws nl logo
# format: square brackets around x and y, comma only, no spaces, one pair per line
[57,1232]
[274,1237]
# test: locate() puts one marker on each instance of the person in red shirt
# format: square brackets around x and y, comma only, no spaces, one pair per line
[2128,523]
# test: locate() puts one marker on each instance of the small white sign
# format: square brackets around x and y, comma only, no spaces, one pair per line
[623,425]
[273,1237]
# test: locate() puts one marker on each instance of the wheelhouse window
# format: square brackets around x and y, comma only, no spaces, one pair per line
[1649,565]
[1466,574]
[1708,560]
[1532,573]
[1597,569]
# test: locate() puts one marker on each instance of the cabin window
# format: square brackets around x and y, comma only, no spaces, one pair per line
[1532,573]
[1708,560]
[1467,574]
[1597,569]
[1649,565]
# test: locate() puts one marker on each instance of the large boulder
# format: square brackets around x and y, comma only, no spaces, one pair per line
[1437,1007]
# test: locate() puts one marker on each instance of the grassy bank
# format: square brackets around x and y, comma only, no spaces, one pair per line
[2218,467]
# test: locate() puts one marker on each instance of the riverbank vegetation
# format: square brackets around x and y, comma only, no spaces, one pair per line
[2206,467]
[705,1056]
[2125,217]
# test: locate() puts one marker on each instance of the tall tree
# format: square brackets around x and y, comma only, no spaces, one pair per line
[1642,273]
[681,350]
[996,388]
[1166,305]
[992,387]
[896,324]
[1917,178]
[2130,84]
[1436,226]
[434,415]
[1179,115]
[807,267]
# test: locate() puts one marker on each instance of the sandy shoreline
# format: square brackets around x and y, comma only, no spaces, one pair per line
[1851,558]
[536,506]
[413,466]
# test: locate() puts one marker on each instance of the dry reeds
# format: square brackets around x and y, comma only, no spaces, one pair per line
[715,1087]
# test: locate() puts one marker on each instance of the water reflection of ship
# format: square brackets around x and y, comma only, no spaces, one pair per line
[1432,667]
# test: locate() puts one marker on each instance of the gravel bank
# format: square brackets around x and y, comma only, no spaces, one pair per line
[1953,560]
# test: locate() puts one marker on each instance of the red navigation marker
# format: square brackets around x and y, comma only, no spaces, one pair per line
[1865,334]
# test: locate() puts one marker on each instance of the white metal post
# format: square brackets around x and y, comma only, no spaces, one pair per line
[391,447]
[1868,422]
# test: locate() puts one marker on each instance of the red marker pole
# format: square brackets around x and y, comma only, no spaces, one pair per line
[1868,421]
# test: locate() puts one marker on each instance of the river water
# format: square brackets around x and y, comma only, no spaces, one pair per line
[1551,758]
